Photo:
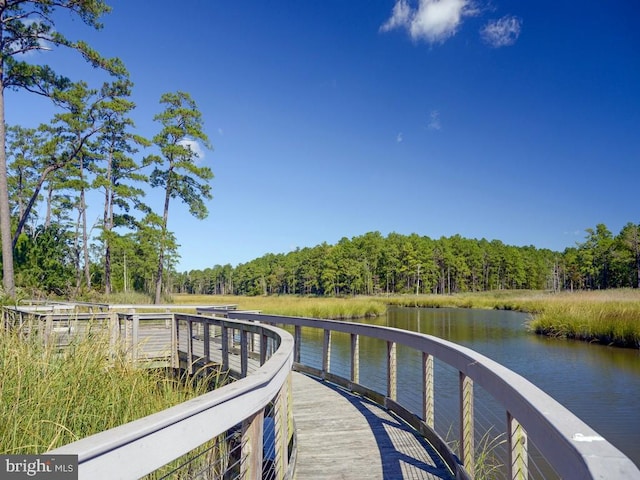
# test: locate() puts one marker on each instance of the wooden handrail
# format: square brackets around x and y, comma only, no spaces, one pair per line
[557,432]
[144,445]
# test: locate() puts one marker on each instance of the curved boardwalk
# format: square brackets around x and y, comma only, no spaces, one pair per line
[342,435]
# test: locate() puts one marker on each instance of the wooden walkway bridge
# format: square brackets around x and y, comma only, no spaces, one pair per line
[345,436]
[274,422]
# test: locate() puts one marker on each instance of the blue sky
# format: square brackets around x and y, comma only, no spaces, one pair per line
[517,121]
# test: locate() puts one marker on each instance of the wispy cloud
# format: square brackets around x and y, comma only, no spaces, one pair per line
[434,121]
[194,146]
[399,137]
[502,32]
[432,20]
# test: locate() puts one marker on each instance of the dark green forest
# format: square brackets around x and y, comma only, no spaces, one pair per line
[373,264]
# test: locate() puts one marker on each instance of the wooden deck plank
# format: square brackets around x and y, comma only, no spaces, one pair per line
[344,436]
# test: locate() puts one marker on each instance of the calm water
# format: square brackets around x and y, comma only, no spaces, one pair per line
[601,385]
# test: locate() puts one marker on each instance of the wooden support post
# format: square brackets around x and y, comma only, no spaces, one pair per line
[114,334]
[264,346]
[428,404]
[175,357]
[189,346]
[48,329]
[281,427]
[518,450]
[467,442]
[225,346]
[392,377]
[206,341]
[252,447]
[326,353]
[244,352]
[355,358]
[135,332]
[297,341]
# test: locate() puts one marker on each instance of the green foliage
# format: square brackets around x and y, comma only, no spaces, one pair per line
[371,264]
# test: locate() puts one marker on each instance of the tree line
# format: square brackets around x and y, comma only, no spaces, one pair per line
[372,264]
[89,146]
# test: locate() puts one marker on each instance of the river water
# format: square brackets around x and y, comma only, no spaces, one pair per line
[600,384]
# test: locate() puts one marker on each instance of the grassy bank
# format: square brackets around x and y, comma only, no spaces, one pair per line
[317,307]
[50,398]
[610,317]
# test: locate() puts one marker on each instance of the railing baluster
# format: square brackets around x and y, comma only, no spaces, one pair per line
[224,334]
[135,335]
[264,345]
[206,342]
[326,353]
[518,450]
[297,341]
[244,352]
[428,404]
[392,376]
[355,358]
[252,446]
[175,360]
[281,427]
[467,447]
[189,347]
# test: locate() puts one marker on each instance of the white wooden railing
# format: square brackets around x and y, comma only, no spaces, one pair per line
[543,439]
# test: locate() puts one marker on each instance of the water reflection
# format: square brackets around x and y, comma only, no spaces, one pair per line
[599,384]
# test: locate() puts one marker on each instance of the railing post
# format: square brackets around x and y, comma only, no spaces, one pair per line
[206,342]
[355,358]
[428,404]
[467,447]
[392,377]
[175,356]
[297,341]
[244,352]
[326,353]
[281,428]
[135,330]
[189,346]
[114,333]
[224,334]
[252,446]
[48,328]
[264,345]
[518,450]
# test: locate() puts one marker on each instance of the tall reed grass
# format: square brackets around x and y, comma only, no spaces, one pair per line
[50,397]
[316,307]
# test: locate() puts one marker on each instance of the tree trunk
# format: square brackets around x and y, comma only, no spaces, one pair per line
[107,225]
[165,217]
[8,280]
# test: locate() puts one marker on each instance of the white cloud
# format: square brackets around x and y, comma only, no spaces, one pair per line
[194,146]
[434,120]
[432,20]
[502,32]
[399,138]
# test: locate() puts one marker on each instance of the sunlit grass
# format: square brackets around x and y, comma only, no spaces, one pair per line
[49,398]
[605,316]
[316,307]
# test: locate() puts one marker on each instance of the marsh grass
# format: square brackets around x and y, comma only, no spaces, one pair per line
[51,397]
[610,317]
[289,305]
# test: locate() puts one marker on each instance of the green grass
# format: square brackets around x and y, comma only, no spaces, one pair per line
[49,398]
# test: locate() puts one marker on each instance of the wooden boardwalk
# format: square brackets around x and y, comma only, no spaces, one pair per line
[345,436]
